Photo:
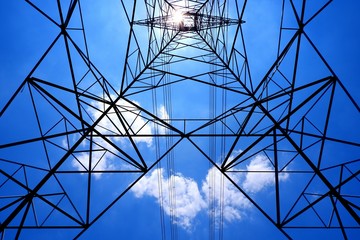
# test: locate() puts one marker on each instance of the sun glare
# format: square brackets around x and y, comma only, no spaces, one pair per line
[178,17]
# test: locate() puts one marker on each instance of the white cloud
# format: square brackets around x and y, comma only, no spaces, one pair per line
[99,162]
[162,114]
[130,116]
[216,191]
[257,179]
[224,194]
[111,124]
[101,157]
[189,201]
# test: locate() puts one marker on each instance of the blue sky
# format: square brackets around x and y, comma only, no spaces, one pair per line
[190,184]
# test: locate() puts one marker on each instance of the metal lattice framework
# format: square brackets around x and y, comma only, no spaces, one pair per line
[75,119]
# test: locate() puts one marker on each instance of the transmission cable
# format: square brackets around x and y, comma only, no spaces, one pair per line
[170,165]
[212,142]
[156,132]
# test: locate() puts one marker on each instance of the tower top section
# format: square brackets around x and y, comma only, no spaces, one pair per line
[188,21]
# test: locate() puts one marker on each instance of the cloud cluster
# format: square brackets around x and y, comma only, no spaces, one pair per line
[259,175]
[221,193]
[216,191]
[189,201]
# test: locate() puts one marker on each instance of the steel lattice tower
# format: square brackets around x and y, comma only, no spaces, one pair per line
[80,123]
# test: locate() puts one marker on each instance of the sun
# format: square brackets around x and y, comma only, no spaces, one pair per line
[178,17]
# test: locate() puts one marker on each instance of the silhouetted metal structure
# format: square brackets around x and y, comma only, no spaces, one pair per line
[75,119]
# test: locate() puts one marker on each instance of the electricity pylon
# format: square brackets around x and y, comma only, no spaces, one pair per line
[68,125]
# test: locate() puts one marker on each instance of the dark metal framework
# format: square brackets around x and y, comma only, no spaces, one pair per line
[289,115]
